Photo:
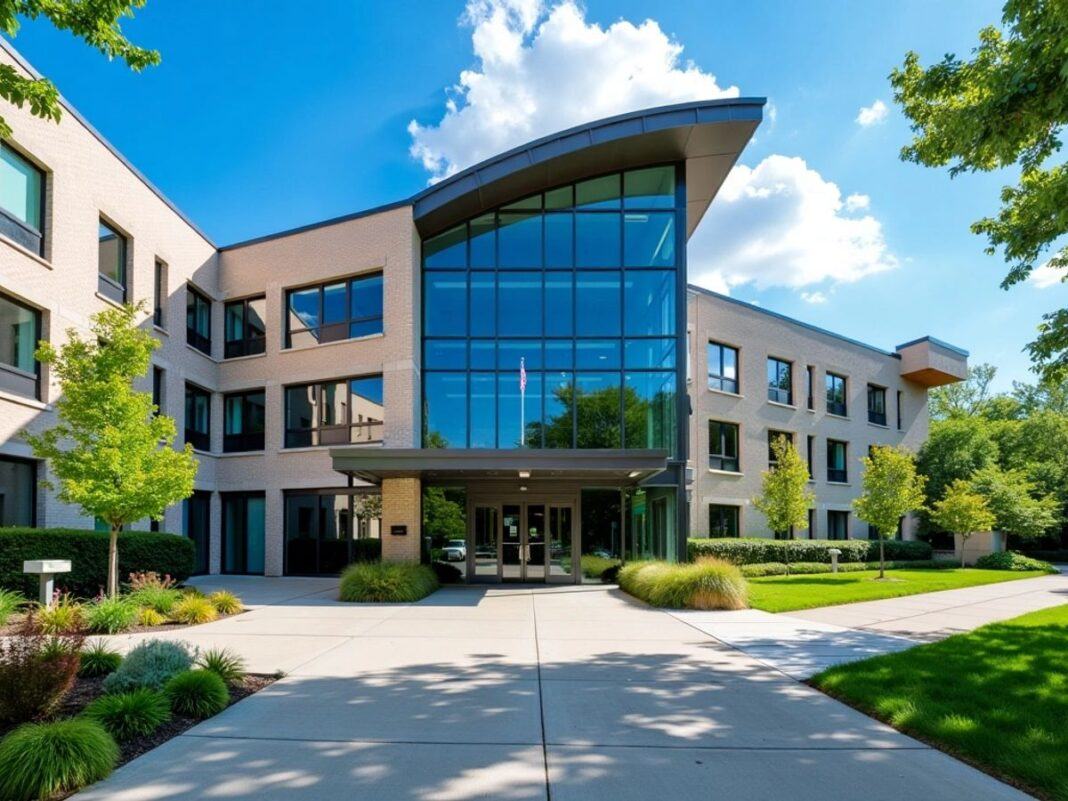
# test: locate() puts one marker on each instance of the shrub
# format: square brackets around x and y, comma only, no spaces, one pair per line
[758,550]
[147,616]
[98,660]
[374,582]
[110,615]
[88,552]
[189,591]
[1010,560]
[594,567]
[10,601]
[64,616]
[705,584]
[808,568]
[446,573]
[225,603]
[197,694]
[45,759]
[127,715]
[158,599]
[193,610]
[224,663]
[150,664]
[150,580]
[367,550]
[36,672]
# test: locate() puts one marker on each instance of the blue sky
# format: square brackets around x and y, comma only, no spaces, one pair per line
[257,122]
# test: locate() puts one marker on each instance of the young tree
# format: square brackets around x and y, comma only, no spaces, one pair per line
[111,452]
[785,497]
[1017,506]
[892,489]
[962,511]
[966,398]
[96,23]
[1005,107]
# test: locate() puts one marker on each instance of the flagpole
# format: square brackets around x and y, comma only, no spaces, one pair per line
[522,404]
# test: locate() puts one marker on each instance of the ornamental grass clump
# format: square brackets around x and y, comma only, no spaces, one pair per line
[98,660]
[64,616]
[225,603]
[197,694]
[194,610]
[125,716]
[42,760]
[147,616]
[384,582]
[150,664]
[10,602]
[224,663]
[159,599]
[705,584]
[110,615]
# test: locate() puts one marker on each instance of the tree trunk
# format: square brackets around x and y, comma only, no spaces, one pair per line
[963,541]
[113,561]
[882,558]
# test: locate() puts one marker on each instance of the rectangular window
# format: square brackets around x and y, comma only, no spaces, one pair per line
[722,520]
[243,532]
[159,293]
[811,457]
[723,446]
[774,435]
[836,461]
[157,389]
[197,319]
[244,332]
[18,492]
[780,381]
[22,188]
[111,263]
[331,312]
[244,415]
[876,405]
[836,394]
[20,330]
[722,367]
[900,423]
[812,524]
[334,412]
[321,528]
[196,525]
[837,525]
[810,387]
[198,417]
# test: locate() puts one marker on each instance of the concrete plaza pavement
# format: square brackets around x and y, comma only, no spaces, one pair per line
[519,693]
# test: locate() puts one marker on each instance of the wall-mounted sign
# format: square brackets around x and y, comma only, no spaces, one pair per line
[398,531]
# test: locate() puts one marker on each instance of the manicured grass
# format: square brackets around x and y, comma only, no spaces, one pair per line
[786,593]
[996,697]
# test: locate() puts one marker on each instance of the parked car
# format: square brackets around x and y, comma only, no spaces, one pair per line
[454,551]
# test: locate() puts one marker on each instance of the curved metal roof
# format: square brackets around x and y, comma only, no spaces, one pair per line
[708,135]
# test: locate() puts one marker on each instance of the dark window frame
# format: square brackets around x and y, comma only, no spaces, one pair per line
[11,225]
[719,457]
[875,415]
[810,400]
[295,437]
[106,285]
[900,410]
[837,475]
[346,323]
[243,441]
[199,501]
[14,379]
[832,382]
[352,533]
[159,388]
[35,467]
[249,344]
[159,292]
[841,516]
[244,495]
[200,440]
[772,433]
[724,384]
[721,513]
[197,339]
[776,393]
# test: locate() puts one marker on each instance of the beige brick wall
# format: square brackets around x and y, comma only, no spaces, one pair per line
[401,505]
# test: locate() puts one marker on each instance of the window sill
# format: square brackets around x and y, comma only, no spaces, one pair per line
[22,400]
[199,452]
[11,243]
[839,483]
[109,301]
[724,392]
[319,448]
[160,330]
[227,454]
[782,405]
[348,341]
[878,425]
[243,358]
[839,416]
[207,356]
[730,473]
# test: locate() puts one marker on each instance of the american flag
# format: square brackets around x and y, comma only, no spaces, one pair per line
[522,375]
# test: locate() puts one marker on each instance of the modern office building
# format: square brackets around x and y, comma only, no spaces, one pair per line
[518,341]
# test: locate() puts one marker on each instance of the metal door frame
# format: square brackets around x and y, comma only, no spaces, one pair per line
[549,501]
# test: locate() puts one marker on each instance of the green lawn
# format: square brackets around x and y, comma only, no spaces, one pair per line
[996,697]
[786,593]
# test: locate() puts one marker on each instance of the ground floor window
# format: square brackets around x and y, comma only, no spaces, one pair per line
[722,521]
[837,525]
[196,525]
[322,527]
[243,532]
[18,492]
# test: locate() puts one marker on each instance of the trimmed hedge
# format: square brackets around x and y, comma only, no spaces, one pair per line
[1010,560]
[807,568]
[757,550]
[88,554]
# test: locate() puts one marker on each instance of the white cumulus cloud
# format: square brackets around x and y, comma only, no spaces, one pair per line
[782,224]
[542,69]
[857,201]
[873,114]
[1044,276]
[813,297]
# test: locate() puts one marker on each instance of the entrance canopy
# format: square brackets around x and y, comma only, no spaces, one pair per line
[617,466]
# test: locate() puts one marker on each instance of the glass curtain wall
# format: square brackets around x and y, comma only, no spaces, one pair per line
[550,322]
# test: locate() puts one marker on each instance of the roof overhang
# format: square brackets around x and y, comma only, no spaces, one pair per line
[707,135]
[619,466]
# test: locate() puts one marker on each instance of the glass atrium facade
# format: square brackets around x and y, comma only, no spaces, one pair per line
[551,322]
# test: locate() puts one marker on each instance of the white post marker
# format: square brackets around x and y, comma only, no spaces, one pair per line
[46,570]
[835,553]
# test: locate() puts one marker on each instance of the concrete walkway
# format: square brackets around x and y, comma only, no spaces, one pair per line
[563,693]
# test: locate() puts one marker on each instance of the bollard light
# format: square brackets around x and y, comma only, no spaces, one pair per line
[45,570]
[835,553]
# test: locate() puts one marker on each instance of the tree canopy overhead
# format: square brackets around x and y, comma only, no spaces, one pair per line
[1006,106]
[96,22]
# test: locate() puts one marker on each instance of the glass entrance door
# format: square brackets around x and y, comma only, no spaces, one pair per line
[512,542]
[522,541]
